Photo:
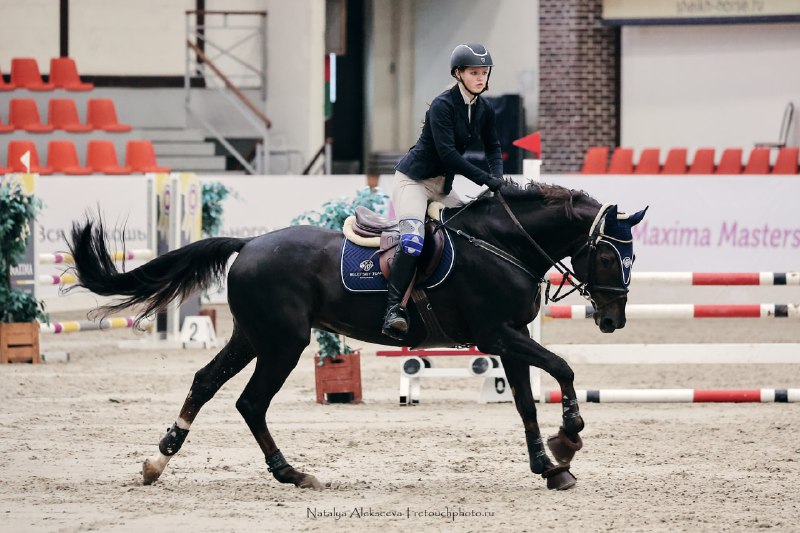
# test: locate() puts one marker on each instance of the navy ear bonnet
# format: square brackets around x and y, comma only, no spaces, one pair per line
[614,229]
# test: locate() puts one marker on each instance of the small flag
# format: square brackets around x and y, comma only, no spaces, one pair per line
[26,160]
[532,143]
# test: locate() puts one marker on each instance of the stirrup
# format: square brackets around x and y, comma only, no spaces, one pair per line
[395,324]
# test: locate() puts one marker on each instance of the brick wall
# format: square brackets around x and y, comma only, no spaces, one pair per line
[578,82]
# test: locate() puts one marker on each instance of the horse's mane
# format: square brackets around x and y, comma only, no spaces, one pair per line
[550,196]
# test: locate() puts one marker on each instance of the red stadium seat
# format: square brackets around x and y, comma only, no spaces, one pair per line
[64,75]
[63,115]
[595,161]
[140,156]
[676,162]
[102,157]
[24,115]
[649,162]
[730,162]
[62,157]
[758,162]
[786,163]
[100,113]
[703,162]
[16,149]
[621,161]
[25,75]
[5,86]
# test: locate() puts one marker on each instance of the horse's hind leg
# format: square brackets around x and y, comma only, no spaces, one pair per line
[518,376]
[207,381]
[275,363]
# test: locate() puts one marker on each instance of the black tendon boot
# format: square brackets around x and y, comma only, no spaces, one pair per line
[395,322]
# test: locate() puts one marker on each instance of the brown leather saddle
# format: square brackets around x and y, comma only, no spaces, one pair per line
[370,224]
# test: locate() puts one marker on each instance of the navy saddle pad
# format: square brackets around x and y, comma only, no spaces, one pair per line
[361,271]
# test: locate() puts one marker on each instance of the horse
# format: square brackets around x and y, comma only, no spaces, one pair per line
[286,282]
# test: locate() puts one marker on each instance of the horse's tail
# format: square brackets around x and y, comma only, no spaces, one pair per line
[154,284]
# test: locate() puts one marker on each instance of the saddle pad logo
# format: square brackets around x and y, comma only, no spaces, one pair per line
[366,265]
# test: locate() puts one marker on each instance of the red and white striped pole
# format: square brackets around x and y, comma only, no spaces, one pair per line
[657,311]
[680,396]
[704,278]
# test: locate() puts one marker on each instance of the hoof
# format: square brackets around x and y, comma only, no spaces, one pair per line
[559,478]
[562,447]
[310,482]
[150,472]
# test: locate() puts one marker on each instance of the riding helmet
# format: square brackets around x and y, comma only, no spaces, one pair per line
[469,55]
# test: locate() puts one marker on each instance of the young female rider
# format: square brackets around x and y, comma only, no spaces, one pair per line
[454,120]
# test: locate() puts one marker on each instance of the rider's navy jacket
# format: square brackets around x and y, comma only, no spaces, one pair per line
[446,134]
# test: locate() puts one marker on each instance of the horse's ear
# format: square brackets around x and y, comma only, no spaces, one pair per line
[638,216]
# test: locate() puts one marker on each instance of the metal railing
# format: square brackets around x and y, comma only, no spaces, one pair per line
[201,64]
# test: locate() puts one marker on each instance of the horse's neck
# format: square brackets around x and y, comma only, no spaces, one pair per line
[550,228]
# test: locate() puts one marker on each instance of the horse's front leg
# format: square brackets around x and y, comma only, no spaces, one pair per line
[517,345]
[518,376]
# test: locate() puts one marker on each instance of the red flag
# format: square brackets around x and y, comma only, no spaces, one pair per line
[532,143]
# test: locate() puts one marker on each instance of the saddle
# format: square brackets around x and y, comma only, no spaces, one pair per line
[369,229]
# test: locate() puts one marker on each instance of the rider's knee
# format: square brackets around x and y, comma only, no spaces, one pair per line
[412,236]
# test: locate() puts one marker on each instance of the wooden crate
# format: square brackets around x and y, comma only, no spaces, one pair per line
[19,343]
[340,375]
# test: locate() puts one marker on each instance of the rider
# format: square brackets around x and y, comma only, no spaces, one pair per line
[455,119]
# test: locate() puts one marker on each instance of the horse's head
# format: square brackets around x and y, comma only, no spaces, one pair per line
[605,263]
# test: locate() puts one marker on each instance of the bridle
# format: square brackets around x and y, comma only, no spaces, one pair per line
[595,238]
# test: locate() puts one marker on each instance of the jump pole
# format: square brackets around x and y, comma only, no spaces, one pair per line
[681,396]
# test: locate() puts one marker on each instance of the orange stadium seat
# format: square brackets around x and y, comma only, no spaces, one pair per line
[102,115]
[24,115]
[16,149]
[64,75]
[140,156]
[25,75]
[621,161]
[675,162]
[63,115]
[730,162]
[703,162]
[5,86]
[649,162]
[595,161]
[758,162]
[786,163]
[102,157]
[62,157]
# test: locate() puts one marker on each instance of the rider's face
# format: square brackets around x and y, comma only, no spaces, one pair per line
[475,78]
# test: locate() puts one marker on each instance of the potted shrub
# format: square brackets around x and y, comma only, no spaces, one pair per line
[338,367]
[19,311]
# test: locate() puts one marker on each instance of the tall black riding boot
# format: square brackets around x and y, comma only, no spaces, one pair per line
[395,323]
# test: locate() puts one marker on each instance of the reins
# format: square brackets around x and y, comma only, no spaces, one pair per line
[567,275]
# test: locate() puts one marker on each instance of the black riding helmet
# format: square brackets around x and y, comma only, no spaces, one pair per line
[471,55]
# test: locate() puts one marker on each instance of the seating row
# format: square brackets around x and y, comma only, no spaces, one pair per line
[101,158]
[758,162]
[62,114]
[25,75]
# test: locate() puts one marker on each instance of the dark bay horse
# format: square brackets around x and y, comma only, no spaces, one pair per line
[285,282]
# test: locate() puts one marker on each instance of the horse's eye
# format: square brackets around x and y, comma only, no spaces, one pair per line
[605,261]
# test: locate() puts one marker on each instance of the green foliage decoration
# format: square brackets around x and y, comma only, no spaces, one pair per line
[332,215]
[16,210]
[213,194]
